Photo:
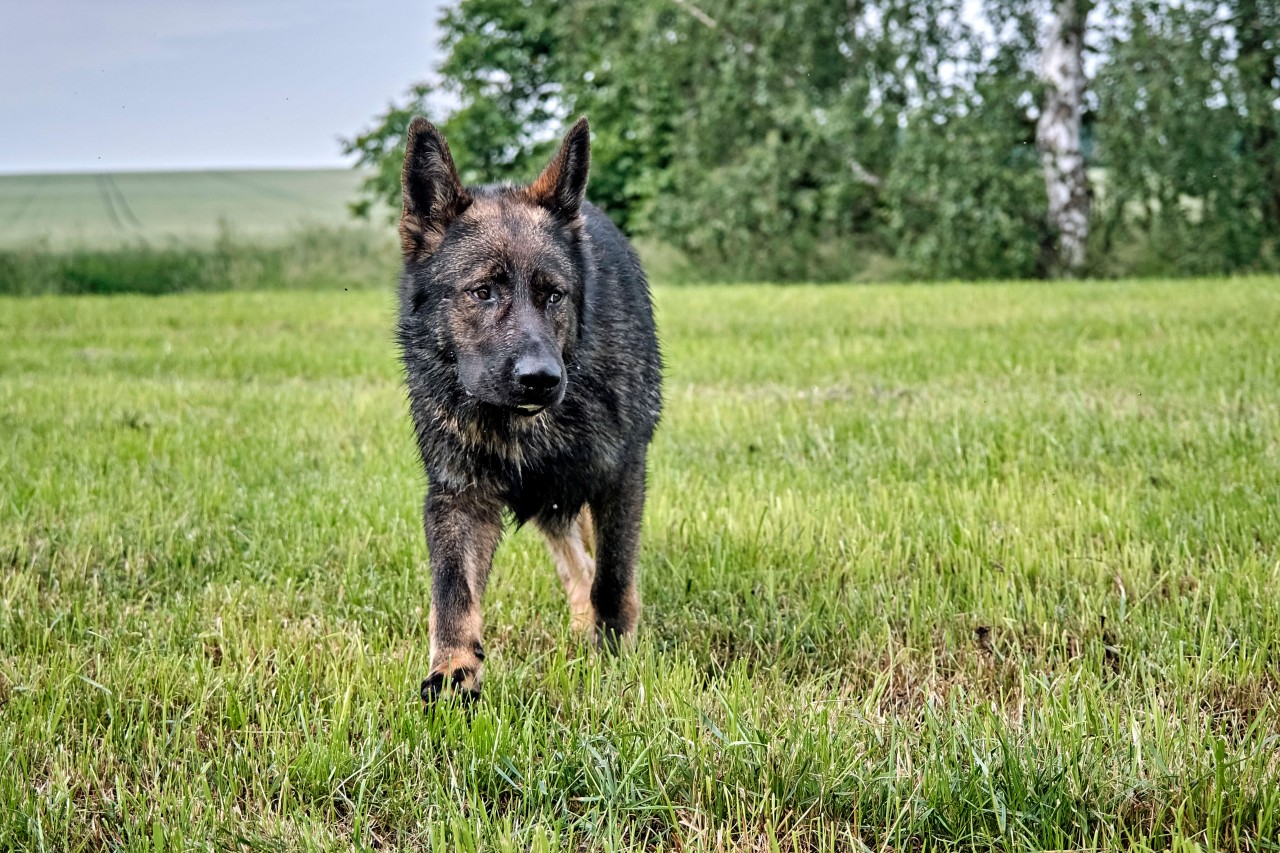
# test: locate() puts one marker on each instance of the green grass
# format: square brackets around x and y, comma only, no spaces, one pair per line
[925,567]
[311,259]
[97,211]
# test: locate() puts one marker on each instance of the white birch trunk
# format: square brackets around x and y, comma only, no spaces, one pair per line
[1058,130]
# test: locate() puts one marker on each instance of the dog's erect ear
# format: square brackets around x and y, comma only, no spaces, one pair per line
[563,184]
[433,195]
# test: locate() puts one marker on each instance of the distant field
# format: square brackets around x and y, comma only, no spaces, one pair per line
[105,210]
[959,567]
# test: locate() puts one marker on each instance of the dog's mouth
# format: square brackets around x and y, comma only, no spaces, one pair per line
[530,405]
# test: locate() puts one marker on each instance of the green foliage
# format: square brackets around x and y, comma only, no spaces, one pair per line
[762,182]
[966,195]
[956,568]
[961,201]
[504,64]
[794,140]
[770,212]
[1188,128]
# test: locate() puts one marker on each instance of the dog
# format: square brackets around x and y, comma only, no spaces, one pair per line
[534,381]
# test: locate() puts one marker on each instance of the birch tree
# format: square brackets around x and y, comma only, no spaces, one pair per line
[1058,131]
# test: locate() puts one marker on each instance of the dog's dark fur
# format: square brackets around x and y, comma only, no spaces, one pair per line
[534,382]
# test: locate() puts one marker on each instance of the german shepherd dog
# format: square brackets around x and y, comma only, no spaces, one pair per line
[534,383]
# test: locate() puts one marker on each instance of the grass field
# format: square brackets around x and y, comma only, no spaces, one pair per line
[165,208]
[952,567]
[165,232]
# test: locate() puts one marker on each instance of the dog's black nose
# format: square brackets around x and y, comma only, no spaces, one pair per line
[537,374]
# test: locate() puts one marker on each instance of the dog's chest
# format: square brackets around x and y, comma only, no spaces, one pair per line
[544,470]
[547,492]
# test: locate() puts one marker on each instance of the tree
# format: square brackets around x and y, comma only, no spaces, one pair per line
[522,71]
[1058,130]
[791,139]
[1257,25]
[1188,100]
[755,137]
[966,196]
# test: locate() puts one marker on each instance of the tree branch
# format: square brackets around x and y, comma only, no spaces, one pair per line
[703,18]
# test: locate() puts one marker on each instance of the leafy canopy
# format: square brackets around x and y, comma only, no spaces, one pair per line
[802,139]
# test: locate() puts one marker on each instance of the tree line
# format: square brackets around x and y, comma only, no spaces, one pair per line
[804,139]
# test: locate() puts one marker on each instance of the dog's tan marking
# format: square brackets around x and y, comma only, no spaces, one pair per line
[456,658]
[588,526]
[576,568]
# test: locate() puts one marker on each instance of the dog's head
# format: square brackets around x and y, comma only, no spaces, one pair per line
[495,274]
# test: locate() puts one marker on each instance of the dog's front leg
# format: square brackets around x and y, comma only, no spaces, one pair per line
[618,511]
[463,528]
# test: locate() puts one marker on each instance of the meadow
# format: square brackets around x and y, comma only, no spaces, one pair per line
[947,567]
[186,209]
[166,232]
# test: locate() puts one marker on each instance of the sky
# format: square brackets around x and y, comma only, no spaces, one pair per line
[124,85]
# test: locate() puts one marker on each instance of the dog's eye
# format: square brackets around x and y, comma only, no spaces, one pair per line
[555,296]
[481,294]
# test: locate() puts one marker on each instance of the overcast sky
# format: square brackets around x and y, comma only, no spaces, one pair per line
[109,85]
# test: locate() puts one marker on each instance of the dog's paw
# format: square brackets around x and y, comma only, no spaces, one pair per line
[614,639]
[461,685]
[455,676]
